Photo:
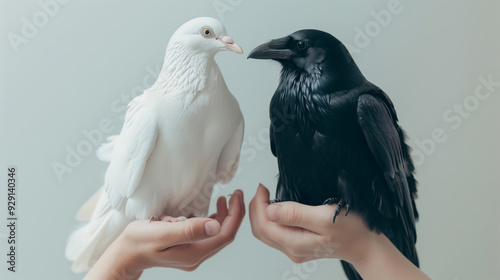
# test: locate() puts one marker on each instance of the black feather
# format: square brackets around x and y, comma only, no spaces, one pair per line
[337,135]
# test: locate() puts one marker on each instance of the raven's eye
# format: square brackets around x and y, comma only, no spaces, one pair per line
[206,32]
[301,45]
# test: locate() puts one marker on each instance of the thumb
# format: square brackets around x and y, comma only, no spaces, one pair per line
[189,231]
[299,215]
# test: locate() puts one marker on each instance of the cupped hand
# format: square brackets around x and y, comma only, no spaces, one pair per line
[182,245]
[305,232]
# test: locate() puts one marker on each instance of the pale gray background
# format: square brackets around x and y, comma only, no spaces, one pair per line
[66,78]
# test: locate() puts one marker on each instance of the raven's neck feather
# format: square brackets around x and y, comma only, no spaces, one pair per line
[294,98]
[299,82]
[307,97]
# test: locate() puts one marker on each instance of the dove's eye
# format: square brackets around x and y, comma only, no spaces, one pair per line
[206,32]
[301,45]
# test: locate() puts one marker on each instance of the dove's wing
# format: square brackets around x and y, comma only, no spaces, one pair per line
[105,151]
[230,155]
[131,152]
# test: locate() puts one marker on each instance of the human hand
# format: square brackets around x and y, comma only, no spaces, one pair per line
[306,233]
[182,245]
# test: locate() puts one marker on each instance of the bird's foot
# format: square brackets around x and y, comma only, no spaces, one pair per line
[277,200]
[173,219]
[340,204]
[330,201]
[169,219]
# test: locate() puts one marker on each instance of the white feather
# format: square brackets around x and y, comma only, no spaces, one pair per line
[85,213]
[105,151]
[85,245]
[179,138]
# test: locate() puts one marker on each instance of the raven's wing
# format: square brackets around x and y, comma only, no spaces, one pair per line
[378,121]
[131,152]
[271,139]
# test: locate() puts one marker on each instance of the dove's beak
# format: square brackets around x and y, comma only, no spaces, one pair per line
[230,44]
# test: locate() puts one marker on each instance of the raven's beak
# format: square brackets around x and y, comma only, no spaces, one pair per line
[276,49]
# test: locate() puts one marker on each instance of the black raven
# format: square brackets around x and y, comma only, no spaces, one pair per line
[337,138]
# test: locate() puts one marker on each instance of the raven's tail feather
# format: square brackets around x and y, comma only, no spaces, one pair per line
[350,271]
[410,252]
[406,237]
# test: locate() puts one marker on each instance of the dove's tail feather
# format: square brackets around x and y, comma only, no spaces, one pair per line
[85,213]
[87,243]
[105,151]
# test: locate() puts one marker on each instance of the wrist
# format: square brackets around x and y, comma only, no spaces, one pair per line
[125,260]
[382,260]
[371,248]
[361,252]
[118,262]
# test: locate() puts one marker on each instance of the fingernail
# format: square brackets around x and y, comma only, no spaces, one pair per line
[240,194]
[274,212]
[212,228]
[260,186]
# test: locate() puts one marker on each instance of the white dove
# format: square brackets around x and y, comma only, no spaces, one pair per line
[180,137]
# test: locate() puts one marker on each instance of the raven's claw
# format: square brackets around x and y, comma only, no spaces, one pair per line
[337,210]
[347,208]
[330,201]
[340,204]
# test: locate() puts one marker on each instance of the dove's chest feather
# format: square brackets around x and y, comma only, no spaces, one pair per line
[190,140]
[206,119]
[189,144]
[192,135]
[203,119]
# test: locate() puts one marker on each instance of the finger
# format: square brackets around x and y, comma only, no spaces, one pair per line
[313,218]
[293,241]
[258,204]
[221,209]
[258,219]
[238,210]
[191,230]
[261,225]
[262,195]
[192,254]
[234,217]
